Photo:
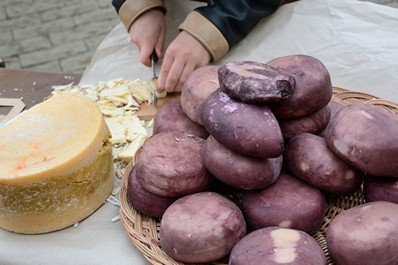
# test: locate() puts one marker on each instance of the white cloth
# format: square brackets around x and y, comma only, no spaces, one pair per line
[357,42]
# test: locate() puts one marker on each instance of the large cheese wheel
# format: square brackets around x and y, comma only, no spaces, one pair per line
[56,165]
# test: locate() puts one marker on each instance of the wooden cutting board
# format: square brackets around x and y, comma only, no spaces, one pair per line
[33,87]
[148,111]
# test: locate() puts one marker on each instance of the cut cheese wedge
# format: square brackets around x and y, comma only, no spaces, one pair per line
[56,165]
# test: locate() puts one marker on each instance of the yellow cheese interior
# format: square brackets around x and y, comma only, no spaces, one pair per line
[56,165]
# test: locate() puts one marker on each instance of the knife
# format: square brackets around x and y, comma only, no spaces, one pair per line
[154,60]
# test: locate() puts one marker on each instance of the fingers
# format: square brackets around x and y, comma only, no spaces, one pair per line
[145,46]
[174,73]
[182,57]
[163,74]
[145,55]
[171,72]
[148,33]
[178,75]
[150,45]
[160,43]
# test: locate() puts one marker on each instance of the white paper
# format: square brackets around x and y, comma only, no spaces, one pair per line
[357,41]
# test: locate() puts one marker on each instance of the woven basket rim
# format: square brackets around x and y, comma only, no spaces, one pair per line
[143,230]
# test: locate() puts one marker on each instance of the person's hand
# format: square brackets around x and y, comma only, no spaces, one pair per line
[148,34]
[182,57]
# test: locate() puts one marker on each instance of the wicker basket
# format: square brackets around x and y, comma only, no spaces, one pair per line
[144,231]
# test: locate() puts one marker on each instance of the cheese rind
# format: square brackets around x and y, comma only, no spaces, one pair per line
[56,165]
[56,137]
[58,202]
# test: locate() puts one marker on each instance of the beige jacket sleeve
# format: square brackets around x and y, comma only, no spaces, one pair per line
[206,33]
[132,9]
[195,24]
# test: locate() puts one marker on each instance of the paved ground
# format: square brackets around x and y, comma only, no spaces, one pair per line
[55,36]
[59,36]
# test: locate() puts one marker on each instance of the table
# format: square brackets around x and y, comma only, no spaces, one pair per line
[356,41]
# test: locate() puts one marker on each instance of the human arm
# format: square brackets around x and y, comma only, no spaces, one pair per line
[206,35]
[145,23]
[184,54]
[217,27]
[220,25]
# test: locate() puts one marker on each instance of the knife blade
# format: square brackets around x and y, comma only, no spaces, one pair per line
[154,60]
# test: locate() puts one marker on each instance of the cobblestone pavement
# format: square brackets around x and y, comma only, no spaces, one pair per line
[55,36]
[59,36]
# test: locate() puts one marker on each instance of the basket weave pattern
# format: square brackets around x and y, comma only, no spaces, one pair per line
[144,231]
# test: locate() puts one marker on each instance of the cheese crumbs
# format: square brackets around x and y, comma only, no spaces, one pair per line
[118,100]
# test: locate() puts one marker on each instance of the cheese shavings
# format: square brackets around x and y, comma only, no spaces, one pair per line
[118,101]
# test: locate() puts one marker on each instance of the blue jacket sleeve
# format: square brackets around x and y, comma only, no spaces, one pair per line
[236,18]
